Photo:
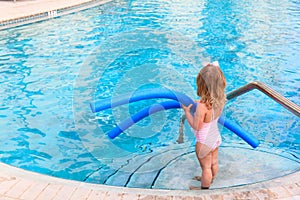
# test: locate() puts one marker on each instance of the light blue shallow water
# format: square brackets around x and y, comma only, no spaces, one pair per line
[50,71]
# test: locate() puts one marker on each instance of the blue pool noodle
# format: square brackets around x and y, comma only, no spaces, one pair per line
[235,128]
[153,93]
[141,115]
[162,93]
[250,139]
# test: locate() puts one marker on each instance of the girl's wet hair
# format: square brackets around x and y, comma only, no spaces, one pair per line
[211,85]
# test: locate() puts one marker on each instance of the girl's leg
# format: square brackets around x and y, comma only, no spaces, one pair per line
[201,152]
[214,164]
[205,159]
[207,174]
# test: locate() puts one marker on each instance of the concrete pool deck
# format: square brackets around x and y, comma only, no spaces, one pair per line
[16,183]
[27,11]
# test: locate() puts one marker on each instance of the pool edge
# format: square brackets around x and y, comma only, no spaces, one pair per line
[16,183]
[23,14]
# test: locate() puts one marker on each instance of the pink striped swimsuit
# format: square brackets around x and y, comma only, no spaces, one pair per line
[209,134]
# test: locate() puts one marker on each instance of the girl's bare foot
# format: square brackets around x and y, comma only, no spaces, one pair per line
[197,178]
[194,188]
[198,188]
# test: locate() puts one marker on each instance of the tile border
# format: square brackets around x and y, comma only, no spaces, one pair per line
[41,16]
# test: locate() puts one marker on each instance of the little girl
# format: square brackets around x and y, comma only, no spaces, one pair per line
[211,85]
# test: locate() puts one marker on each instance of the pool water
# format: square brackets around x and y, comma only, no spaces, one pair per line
[50,72]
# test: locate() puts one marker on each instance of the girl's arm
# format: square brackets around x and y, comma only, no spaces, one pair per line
[195,121]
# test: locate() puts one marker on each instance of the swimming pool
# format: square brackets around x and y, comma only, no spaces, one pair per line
[48,79]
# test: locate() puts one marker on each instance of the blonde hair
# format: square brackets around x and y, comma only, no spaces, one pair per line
[211,85]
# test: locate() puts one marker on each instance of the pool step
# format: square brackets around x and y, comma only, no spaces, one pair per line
[173,168]
[139,171]
[149,172]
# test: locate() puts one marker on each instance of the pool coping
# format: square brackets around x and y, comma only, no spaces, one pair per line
[21,13]
[16,183]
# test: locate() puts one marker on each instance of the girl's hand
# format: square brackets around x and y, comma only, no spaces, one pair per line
[186,108]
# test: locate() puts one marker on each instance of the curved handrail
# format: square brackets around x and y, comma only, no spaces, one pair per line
[286,103]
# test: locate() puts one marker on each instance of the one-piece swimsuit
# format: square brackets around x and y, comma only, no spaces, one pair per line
[209,133]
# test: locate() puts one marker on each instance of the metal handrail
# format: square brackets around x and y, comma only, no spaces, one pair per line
[286,103]
[181,136]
